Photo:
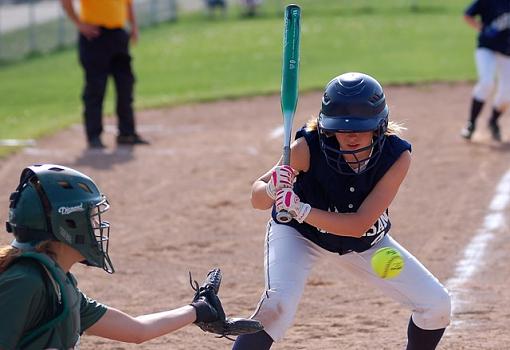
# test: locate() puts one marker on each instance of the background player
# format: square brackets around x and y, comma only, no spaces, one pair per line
[349,164]
[492,58]
[104,50]
[212,5]
[57,217]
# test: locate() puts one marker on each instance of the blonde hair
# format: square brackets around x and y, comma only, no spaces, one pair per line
[9,253]
[394,128]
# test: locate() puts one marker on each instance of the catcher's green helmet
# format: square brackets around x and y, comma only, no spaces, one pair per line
[59,203]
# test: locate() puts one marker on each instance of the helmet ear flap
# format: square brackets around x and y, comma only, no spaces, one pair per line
[382,128]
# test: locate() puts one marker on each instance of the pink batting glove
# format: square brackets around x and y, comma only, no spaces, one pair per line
[287,200]
[281,177]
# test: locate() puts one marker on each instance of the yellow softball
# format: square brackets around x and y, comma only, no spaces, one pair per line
[387,262]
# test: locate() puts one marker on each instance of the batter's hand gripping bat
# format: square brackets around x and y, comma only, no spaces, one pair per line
[289,87]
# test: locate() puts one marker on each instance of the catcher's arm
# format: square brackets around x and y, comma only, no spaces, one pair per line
[120,326]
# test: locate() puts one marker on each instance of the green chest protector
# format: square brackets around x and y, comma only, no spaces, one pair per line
[58,280]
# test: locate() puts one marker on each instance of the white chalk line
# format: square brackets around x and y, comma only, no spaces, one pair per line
[475,251]
[17,142]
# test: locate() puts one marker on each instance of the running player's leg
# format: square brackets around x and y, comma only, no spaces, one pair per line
[502,97]
[486,68]
[415,288]
[288,260]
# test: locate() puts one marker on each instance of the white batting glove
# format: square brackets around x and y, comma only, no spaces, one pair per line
[281,177]
[287,200]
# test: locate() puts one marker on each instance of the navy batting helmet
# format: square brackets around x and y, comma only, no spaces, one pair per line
[352,102]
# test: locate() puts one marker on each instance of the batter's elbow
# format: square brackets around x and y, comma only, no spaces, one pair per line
[257,202]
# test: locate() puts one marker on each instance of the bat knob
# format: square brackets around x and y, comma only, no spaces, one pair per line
[283,217]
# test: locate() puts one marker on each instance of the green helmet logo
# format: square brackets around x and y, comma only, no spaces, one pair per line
[59,203]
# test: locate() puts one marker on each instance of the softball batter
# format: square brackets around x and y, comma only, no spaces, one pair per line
[492,58]
[346,168]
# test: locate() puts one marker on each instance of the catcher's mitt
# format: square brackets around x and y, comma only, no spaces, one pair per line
[208,305]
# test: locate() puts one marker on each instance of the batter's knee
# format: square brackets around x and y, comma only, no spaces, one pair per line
[437,314]
[276,312]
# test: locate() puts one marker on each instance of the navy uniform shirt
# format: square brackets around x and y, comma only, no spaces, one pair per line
[495,18]
[323,188]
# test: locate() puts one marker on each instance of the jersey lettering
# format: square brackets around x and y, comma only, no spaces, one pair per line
[502,22]
[379,228]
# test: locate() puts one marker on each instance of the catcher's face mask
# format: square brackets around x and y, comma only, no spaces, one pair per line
[59,203]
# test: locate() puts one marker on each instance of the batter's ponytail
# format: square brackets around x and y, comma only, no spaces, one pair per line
[9,253]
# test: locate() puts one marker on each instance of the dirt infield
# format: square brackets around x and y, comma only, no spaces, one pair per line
[182,204]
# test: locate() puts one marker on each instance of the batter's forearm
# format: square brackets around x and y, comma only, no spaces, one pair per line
[340,224]
[259,196]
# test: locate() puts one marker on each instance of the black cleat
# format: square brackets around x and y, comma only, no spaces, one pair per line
[96,143]
[495,132]
[131,140]
[468,131]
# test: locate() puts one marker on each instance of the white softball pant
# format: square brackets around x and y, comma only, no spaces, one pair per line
[492,66]
[289,258]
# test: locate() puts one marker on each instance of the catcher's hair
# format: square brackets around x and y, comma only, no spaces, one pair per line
[394,128]
[9,253]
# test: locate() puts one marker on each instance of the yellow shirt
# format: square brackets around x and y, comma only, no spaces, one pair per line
[110,14]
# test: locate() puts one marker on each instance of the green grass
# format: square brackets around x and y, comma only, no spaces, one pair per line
[198,59]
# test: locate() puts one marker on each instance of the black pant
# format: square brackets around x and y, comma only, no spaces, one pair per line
[100,57]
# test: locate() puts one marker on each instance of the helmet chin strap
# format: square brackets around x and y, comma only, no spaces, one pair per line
[27,246]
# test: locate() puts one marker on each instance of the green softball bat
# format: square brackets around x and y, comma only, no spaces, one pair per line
[289,87]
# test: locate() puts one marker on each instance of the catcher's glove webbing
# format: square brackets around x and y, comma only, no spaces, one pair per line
[210,315]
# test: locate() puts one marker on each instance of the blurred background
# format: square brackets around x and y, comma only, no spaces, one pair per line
[30,27]
[189,53]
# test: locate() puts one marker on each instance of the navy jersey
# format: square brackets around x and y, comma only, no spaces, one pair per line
[495,18]
[325,189]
